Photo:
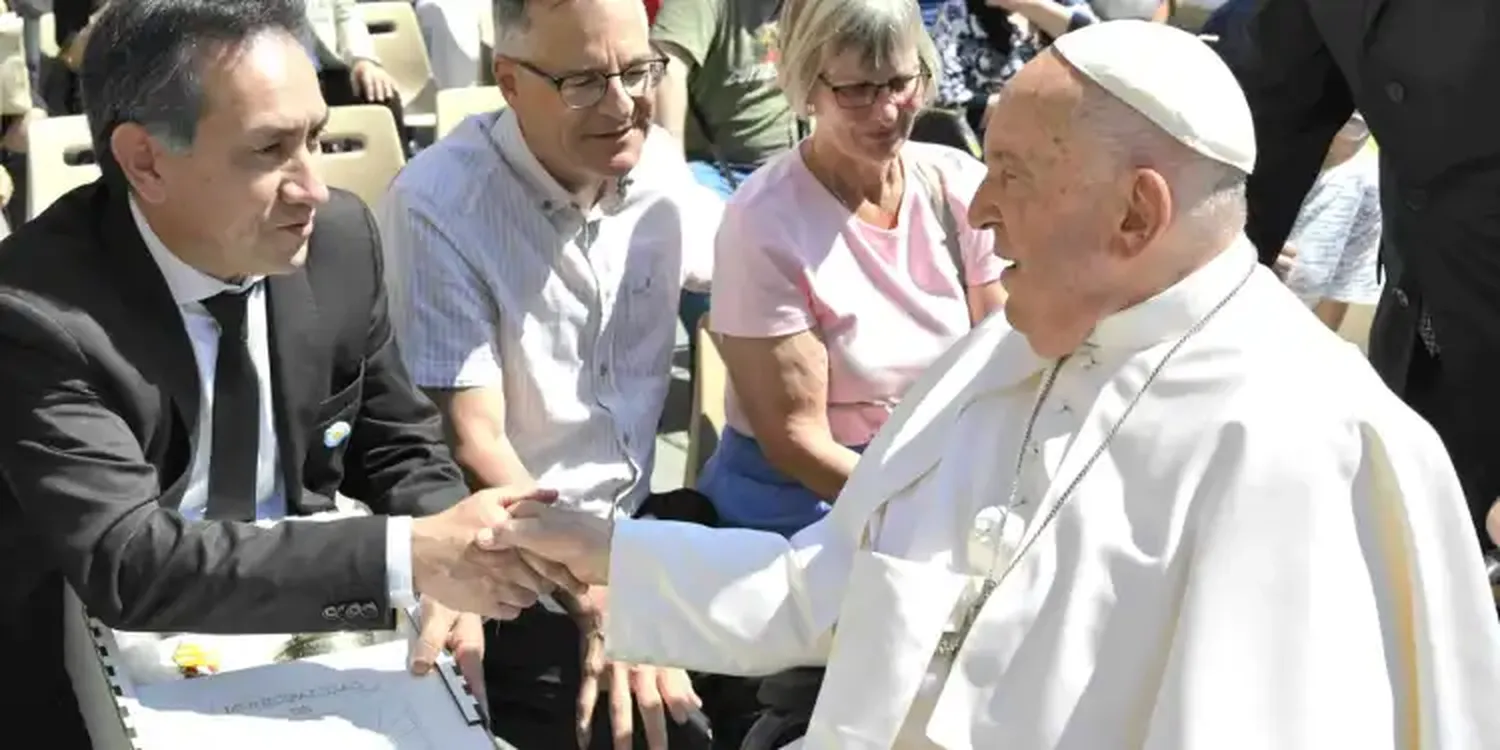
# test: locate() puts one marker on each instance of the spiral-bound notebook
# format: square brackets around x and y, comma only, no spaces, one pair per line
[355,699]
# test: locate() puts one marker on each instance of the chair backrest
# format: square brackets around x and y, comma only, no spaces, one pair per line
[710,383]
[1356,326]
[59,157]
[453,105]
[361,150]
[398,42]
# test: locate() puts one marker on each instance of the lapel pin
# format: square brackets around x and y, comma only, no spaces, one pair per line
[336,433]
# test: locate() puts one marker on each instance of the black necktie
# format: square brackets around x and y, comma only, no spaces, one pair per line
[236,418]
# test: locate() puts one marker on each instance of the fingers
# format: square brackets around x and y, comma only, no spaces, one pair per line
[466,641]
[437,623]
[557,573]
[648,698]
[621,718]
[511,496]
[677,694]
[588,687]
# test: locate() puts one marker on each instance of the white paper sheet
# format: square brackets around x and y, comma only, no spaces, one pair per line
[362,699]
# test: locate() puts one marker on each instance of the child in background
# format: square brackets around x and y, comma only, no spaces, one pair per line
[1334,246]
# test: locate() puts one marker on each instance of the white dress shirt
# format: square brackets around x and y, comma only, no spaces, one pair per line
[190,287]
[497,279]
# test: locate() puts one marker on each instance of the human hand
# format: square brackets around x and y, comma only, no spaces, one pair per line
[444,629]
[498,583]
[1284,262]
[651,688]
[578,541]
[372,82]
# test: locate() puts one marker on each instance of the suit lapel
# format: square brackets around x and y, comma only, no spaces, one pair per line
[161,335]
[300,366]
[1372,10]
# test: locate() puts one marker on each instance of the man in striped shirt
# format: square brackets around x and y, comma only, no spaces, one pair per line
[535,258]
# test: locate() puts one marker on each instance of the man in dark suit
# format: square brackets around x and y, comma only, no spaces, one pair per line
[1424,76]
[199,341]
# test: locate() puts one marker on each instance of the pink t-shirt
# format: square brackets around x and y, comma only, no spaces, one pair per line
[886,302]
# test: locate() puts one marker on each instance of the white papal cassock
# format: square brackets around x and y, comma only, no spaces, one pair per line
[1273,553]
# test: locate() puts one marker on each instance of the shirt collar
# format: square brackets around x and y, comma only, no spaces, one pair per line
[554,201]
[186,283]
[1174,311]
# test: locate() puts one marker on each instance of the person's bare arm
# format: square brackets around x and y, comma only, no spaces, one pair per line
[1331,312]
[782,387]
[672,93]
[985,299]
[1051,18]
[474,421]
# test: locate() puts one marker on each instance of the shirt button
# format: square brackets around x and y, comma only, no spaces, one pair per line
[1395,92]
[603,370]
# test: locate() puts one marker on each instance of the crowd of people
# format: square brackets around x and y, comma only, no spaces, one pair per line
[1040,429]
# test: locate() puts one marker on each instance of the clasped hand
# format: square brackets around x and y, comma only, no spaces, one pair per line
[494,581]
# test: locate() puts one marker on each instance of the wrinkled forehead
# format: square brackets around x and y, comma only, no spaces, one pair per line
[1034,117]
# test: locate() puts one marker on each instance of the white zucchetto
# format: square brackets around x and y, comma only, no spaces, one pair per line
[1172,78]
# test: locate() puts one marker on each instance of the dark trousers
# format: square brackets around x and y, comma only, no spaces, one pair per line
[532,669]
[338,91]
[1461,406]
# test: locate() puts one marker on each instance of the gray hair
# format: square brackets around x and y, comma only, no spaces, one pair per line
[813,31]
[144,62]
[512,21]
[1209,194]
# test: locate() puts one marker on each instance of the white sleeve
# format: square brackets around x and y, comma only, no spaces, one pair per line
[724,601]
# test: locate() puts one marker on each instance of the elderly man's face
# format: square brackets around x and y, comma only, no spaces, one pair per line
[1049,208]
[567,42]
[241,201]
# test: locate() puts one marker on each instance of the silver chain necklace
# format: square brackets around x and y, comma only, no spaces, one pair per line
[951,642]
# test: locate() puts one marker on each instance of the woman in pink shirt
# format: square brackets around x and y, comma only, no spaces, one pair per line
[842,269]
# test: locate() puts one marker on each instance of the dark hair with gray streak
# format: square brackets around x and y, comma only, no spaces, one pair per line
[144,62]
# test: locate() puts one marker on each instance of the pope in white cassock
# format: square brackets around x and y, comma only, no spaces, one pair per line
[1154,505]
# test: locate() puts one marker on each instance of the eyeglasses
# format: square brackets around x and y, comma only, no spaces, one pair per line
[584,90]
[860,95]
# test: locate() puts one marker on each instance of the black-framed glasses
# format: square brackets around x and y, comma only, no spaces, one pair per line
[584,90]
[864,93]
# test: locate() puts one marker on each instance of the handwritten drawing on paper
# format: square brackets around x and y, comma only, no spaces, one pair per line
[353,700]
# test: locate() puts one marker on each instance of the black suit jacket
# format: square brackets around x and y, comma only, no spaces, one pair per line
[1424,75]
[98,408]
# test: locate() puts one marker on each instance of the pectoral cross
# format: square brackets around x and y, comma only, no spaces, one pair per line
[950,643]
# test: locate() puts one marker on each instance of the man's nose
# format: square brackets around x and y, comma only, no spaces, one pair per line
[305,184]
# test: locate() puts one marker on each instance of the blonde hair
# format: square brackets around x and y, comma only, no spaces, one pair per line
[810,32]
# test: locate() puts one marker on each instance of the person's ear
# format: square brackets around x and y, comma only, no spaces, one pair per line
[139,157]
[505,70]
[1148,212]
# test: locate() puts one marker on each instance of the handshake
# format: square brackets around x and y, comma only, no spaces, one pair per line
[499,550]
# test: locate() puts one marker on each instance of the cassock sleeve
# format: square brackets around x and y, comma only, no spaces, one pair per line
[1333,598]
[724,601]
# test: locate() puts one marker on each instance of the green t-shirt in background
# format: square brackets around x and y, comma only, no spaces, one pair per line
[731,48]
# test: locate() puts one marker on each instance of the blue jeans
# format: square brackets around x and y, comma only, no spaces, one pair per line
[750,493]
[692,306]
